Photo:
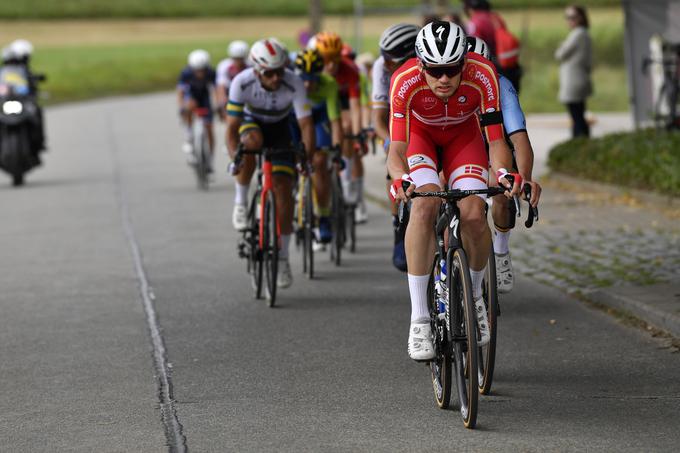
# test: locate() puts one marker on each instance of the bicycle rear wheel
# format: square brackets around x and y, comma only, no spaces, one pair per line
[352,227]
[201,151]
[440,367]
[308,228]
[487,354]
[270,246]
[463,326]
[337,219]
[255,258]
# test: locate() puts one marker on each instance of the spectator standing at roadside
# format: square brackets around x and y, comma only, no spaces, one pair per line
[490,27]
[575,57]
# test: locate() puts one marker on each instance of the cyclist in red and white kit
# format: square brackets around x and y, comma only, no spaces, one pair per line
[434,126]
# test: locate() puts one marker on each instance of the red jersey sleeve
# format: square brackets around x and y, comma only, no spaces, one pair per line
[482,75]
[400,88]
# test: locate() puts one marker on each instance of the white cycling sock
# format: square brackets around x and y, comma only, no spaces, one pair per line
[417,287]
[241,193]
[477,278]
[285,245]
[501,242]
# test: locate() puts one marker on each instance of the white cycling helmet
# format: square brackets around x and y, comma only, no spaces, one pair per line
[441,43]
[398,41]
[8,54]
[311,44]
[199,59]
[268,54]
[22,48]
[238,49]
[478,46]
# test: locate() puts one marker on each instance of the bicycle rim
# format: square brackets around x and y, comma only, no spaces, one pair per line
[440,367]
[464,334]
[338,219]
[270,250]
[352,228]
[487,354]
[309,226]
[255,257]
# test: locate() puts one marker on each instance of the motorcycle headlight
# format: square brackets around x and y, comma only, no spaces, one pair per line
[12,107]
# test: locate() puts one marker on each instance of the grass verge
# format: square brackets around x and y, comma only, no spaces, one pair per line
[647,159]
[87,59]
[62,9]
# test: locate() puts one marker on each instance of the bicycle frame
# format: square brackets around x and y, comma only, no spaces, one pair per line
[265,176]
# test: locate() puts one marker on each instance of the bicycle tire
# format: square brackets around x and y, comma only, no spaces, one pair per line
[199,153]
[463,333]
[270,247]
[487,354]
[309,228]
[440,367]
[337,219]
[352,226]
[255,258]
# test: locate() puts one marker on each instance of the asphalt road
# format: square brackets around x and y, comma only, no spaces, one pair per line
[325,371]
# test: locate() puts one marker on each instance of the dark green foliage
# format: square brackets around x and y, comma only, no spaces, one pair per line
[647,159]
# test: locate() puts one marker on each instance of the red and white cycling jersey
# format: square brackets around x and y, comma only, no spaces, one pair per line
[446,135]
[413,101]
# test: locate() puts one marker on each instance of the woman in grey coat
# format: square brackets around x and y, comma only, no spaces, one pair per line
[575,57]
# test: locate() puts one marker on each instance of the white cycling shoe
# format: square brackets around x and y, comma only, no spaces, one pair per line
[505,279]
[482,322]
[284,277]
[239,217]
[420,347]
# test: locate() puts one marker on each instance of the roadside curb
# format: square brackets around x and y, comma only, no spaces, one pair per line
[649,312]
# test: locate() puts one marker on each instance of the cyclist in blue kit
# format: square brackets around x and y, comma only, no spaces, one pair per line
[514,124]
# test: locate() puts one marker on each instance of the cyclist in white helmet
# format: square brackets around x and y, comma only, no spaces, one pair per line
[397,44]
[18,54]
[226,70]
[194,91]
[515,128]
[260,100]
[435,99]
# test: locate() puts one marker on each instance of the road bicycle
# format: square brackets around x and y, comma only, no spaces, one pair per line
[201,148]
[338,209]
[260,242]
[452,312]
[305,222]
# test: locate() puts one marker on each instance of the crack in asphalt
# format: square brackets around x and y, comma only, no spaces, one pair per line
[174,431]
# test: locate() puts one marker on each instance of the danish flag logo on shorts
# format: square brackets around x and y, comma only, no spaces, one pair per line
[474,170]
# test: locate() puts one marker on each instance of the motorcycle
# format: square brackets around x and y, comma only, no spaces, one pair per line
[19,117]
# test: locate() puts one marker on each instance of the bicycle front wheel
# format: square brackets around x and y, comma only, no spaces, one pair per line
[255,258]
[463,325]
[487,354]
[270,246]
[440,367]
[308,228]
[337,219]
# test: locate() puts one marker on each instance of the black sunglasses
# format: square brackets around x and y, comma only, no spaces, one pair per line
[270,73]
[449,71]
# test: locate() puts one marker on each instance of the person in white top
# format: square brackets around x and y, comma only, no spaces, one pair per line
[260,100]
[226,70]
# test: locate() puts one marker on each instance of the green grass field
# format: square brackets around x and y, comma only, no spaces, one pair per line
[51,9]
[96,58]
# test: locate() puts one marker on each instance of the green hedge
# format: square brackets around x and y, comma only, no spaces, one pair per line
[647,159]
[57,9]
